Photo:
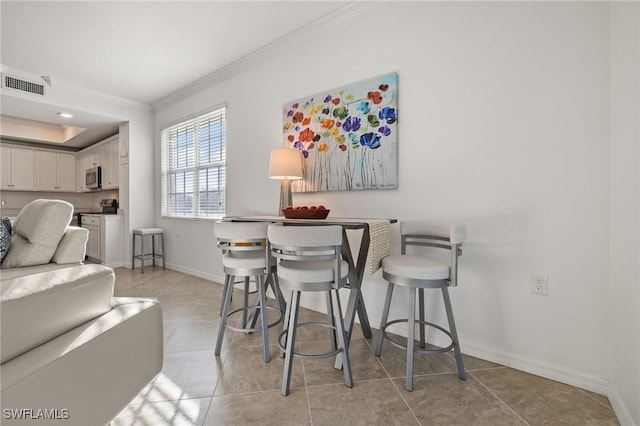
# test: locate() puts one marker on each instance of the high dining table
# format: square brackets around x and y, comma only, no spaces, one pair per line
[376,233]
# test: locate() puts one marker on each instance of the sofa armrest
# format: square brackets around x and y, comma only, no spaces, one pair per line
[72,247]
[92,371]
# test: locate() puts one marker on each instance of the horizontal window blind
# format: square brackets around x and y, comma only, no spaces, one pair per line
[193,155]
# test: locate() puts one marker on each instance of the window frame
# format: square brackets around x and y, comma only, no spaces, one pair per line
[191,157]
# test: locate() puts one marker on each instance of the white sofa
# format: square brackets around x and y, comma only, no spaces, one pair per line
[71,353]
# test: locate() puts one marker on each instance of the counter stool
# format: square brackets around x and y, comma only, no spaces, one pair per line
[310,260]
[420,272]
[245,255]
[142,232]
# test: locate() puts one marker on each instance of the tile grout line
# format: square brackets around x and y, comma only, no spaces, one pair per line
[306,387]
[498,398]
[596,400]
[392,382]
[226,353]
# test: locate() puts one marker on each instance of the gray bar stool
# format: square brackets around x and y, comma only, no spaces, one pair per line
[245,255]
[309,260]
[422,272]
[141,233]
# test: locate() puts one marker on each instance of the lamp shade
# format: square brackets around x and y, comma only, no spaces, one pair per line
[285,163]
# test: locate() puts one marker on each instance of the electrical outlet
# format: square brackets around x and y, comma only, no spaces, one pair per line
[540,285]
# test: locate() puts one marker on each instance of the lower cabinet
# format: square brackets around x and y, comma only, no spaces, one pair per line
[105,238]
[92,224]
[93,245]
[111,240]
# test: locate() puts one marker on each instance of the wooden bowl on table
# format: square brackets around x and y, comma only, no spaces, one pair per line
[305,214]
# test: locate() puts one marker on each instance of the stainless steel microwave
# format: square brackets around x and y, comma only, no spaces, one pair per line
[93,178]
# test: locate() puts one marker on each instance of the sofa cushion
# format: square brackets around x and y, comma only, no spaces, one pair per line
[37,232]
[5,237]
[72,247]
[37,308]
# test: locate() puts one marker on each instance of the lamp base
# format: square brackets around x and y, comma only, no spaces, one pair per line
[285,195]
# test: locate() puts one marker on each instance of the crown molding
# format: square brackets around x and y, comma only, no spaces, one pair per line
[301,35]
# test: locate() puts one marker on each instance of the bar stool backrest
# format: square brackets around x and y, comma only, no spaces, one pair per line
[241,236]
[437,235]
[307,243]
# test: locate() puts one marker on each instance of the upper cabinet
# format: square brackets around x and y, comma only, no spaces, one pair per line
[35,169]
[82,164]
[110,162]
[17,169]
[104,154]
[55,171]
[84,161]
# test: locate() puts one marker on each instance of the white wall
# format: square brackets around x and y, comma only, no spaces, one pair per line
[624,277]
[503,124]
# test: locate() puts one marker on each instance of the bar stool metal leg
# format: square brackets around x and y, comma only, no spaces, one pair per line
[228,285]
[291,341]
[162,247]
[411,331]
[245,314]
[133,253]
[454,334]
[342,340]
[142,253]
[153,249]
[285,324]
[331,320]
[421,314]
[383,321]
[262,290]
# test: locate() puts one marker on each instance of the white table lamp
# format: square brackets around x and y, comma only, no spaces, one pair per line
[285,164]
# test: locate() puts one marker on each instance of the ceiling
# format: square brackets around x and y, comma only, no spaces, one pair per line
[136,50]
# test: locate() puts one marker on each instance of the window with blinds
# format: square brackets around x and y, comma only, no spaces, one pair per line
[193,159]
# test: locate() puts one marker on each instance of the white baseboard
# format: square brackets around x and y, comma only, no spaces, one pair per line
[197,273]
[624,417]
[562,374]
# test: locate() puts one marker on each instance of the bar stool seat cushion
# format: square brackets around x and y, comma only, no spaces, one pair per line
[310,271]
[245,260]
[416,267]
[148,231]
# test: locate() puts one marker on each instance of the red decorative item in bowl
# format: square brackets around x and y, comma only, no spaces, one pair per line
[305,213]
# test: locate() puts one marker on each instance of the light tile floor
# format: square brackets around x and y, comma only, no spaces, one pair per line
[237,388]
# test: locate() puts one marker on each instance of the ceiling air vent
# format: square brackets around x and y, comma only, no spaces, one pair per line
[22,85]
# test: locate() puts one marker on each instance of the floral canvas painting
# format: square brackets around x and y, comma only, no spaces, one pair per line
[348,136]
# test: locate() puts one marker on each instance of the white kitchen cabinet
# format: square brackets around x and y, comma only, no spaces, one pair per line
[17,169]
[82,164]
[66,172]
[105,238]
[106,155]
[94,243]
[55,171]
[111,240]
[110,162]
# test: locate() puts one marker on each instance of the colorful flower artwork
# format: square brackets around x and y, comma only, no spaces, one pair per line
[348,136]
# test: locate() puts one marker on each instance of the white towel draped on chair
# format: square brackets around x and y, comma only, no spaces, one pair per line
[380,240]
